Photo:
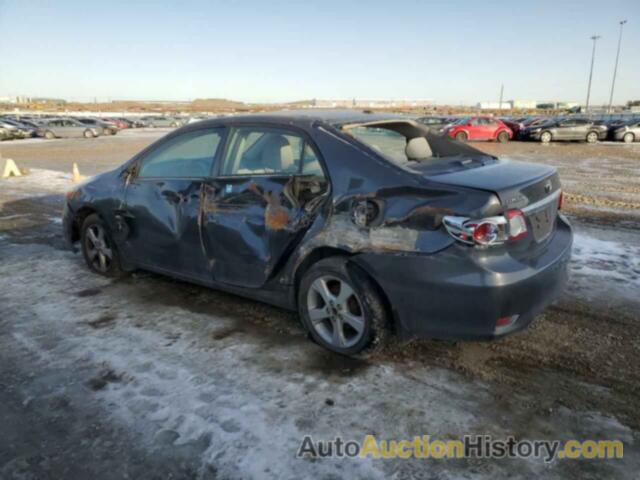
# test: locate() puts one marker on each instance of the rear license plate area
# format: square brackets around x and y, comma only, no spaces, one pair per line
[542,222]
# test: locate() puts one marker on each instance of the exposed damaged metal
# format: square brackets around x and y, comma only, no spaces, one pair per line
[249,204]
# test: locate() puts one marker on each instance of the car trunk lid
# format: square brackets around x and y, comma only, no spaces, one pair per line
[532,188]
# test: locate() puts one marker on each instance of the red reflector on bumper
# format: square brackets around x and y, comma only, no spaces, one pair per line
[505,321]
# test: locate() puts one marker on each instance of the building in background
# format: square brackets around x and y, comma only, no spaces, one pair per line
[15,100]
[494,106]
[373,103]
[523,104]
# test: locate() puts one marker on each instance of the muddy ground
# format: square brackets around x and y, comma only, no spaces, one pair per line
[148,377]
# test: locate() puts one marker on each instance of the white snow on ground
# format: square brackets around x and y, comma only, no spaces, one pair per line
[609,259]
[605,269]
[38,181]
[244,401]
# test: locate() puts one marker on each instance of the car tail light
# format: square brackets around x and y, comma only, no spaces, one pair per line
[485,233]
[497,230]
[560,200]
[517,224]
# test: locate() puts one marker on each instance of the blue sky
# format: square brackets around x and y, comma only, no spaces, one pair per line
[450,51]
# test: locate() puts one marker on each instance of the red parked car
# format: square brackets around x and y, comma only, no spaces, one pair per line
[479,128]
[120,123]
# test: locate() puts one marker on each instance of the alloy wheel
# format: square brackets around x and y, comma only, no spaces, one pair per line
[99,252]
[628,137]
[335,311]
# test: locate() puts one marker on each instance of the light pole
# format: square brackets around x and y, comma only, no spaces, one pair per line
[615,68]
[593,56]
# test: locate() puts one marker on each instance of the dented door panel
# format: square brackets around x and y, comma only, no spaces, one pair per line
[250,222]
[162,216]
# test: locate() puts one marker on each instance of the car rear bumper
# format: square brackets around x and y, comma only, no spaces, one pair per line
[460,293]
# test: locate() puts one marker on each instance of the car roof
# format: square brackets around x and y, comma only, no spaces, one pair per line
[331,116]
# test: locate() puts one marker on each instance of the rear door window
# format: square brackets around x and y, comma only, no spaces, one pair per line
[264,151]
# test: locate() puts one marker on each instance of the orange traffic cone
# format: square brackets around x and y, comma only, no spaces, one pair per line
[11,169]
[77,178]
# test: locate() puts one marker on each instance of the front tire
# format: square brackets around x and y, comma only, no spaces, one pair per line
[342,310]
[503,137]
[88,134]
[545,137]
[628,137]
[49,135]
[98,249]
[592,137]
[461,136]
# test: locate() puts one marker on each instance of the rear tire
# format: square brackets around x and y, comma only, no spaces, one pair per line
[98,249]
[592,137]
[503,137]
[49,135]
[348,312]
[88,134]
[461,136]
[546,137]
[628,137]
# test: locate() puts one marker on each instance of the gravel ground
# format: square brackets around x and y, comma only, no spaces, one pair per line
[148,377]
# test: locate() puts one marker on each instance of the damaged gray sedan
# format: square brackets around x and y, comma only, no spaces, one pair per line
[365,224]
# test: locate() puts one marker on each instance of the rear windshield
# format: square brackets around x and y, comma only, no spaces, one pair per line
[387,142]
[440,152]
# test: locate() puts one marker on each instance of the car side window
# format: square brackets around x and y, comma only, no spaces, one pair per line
[310,163]
[188,155]
[263,151]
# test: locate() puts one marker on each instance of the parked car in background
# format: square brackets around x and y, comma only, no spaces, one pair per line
[514,125]
[105,128]
[435,124]
[301,209]
[479,128]
[159,121]
[66,127]
[628,133]
[31,123]
[566,129]
[136,122]
[5,134]
[613,124]
[19,130]
[121,123]
[528,122]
